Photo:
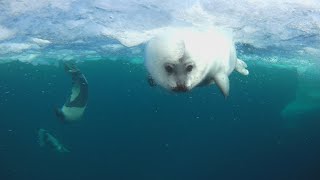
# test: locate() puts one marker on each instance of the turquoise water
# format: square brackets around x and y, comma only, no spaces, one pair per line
[133,131]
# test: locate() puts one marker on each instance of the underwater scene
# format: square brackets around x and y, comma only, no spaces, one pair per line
[160,90]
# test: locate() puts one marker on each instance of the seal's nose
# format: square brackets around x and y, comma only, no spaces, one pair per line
[180,88]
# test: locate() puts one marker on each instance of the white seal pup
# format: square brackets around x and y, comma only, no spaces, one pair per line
[75,105]
[181,59]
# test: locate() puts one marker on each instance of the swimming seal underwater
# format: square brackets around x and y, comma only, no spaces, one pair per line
[75,105]
[46,139]
[183,58]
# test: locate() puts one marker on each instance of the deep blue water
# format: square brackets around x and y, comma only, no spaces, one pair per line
[135,132]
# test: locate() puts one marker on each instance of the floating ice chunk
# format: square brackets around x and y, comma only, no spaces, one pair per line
[27,57]
[195,15]
[40,41]
[17,7]
[112,47]
[13,47]
[307,101]
[287,25]
[132,38]
[311,51]
[136,50]
[5,33]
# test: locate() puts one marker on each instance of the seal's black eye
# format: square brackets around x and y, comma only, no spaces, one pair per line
[169,68]
[189,68]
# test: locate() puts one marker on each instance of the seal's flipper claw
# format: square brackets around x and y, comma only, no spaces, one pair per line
[151,81]
[241,67]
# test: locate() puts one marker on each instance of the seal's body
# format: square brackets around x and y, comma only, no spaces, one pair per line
[76,104]
[181,59]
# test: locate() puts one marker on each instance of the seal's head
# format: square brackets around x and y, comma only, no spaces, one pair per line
[171,65]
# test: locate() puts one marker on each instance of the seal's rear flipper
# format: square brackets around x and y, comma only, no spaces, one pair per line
[241,67]
[65,150]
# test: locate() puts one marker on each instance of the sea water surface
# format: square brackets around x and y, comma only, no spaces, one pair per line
[268,128]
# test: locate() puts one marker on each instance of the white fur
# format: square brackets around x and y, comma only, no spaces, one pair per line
[75,91]
[72,113]
[212,51]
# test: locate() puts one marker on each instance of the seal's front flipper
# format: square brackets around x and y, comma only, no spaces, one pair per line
[151,81]
[222,82]
[241,67]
